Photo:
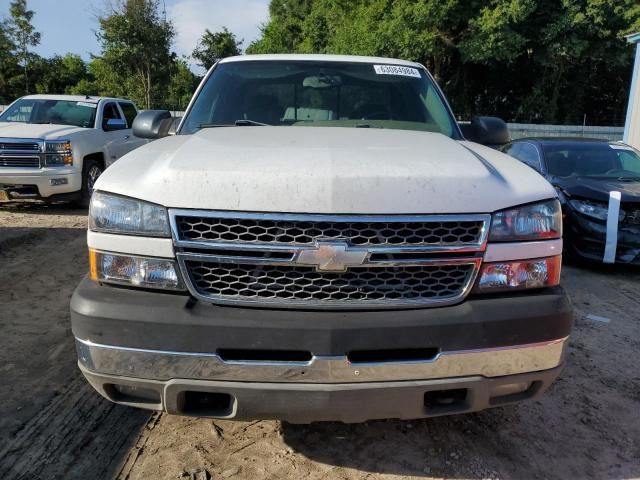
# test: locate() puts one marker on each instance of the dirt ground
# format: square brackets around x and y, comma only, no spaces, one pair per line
[53,425]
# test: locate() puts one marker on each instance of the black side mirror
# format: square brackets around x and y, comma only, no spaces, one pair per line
[152,124]
[490,131]
[114,124]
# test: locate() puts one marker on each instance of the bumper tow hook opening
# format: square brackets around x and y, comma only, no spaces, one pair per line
[248,355]
[206,404]
[132,395]
[440,401]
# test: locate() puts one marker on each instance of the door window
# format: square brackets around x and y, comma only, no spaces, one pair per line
[130,112]
[110,112]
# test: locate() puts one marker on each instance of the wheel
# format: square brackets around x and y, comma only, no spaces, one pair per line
[91,170]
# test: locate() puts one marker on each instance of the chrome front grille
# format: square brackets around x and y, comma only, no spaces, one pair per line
[306,232]
[304,284]
[20,153]
[322,261]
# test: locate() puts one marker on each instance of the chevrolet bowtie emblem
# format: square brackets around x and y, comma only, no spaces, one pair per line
[332,256]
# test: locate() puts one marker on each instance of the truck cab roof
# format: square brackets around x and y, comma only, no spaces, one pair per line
[321,58]
[75,98]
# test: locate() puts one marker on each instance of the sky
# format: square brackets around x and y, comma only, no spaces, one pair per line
[69,25]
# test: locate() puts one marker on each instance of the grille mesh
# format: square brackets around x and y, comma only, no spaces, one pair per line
[305,233]
[19,162]
[20,146]
[293,284]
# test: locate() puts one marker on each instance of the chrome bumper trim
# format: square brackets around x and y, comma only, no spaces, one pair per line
[162,365]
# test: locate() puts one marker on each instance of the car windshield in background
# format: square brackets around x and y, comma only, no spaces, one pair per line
[312,93]
[592,160]
[58,112]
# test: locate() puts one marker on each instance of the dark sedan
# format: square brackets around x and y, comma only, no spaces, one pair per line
[585,172]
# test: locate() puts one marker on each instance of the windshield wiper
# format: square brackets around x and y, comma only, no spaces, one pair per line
[214,125]
[238,123]
[249,123]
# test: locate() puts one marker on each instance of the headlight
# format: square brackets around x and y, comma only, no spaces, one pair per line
[134,271]
[58,154]
[518,275]
[538,221]
[592,209]
[114,214]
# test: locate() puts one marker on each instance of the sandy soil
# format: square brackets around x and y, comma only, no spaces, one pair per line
[52,424]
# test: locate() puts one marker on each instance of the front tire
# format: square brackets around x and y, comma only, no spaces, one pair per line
[91,170]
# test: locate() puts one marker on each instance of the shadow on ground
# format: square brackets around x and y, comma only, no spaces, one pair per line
[42,208]
[52,424]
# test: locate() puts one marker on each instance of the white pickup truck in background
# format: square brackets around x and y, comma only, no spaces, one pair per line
[54,147]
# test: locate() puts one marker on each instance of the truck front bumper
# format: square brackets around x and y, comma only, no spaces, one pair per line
[45,183]
[165,352]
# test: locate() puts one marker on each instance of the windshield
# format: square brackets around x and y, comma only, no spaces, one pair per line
[59,112]
[592,160]
[314,93]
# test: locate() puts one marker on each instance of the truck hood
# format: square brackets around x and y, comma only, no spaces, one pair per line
[324,170]
[31,130]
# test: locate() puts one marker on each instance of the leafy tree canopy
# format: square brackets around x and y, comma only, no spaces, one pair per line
[23,35]
[216,46]
[525,60]
[136,43]
[550,61]
[181,87]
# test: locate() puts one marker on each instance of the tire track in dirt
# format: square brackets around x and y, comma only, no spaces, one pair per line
[53,425]
[76,435]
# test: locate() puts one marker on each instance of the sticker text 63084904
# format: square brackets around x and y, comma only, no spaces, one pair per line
[396,70]
[87,104]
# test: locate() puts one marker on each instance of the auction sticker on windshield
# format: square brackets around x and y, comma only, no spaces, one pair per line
[396,70]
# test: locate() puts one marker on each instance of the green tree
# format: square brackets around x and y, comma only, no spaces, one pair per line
[136,50]
[525,60]
[23,35]
[214,46]
[9,67]
[283,32]
[59,74]
[105,81]
[183,84]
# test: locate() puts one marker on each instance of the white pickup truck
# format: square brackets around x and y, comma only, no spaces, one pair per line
[54,147]
[319,241]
